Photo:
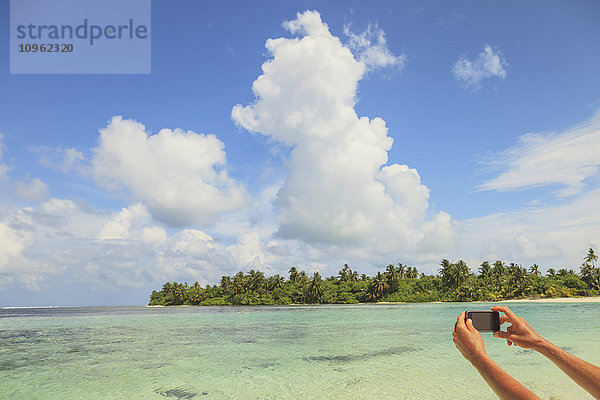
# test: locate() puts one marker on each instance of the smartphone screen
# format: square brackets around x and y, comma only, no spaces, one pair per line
[484,321]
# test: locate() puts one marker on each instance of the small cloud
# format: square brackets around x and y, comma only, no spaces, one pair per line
[535,202]
[71,158]
[487,64]
[3,171]
[229,50]
[34,190]
[370,47]
[3,167]
[64,160]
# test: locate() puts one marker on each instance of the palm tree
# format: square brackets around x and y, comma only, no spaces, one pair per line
[460,272]
[293,275]
[180,293]
[345,273]
[412,273]
[196,293]
[563,272]
[499,269]
[257,279]
[371,293]
[276,282]
[302,278]
[519,277]
[591,257]
[196,286]
[167,288]
[512,268]
[239,283]
[392,277]
[551,273]
[453,274]
[445,267]
[485,270]
[589,275]
[315,289]
[401,270]
[378,287]
[225,283]
[535,270]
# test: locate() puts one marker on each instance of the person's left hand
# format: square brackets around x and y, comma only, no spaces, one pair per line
[468,340]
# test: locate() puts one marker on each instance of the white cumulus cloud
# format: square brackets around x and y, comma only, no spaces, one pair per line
[154,235]
[487,64]
[564,158]
[13,242]
[338,189]
[119,226]
[180,175]
[193,242]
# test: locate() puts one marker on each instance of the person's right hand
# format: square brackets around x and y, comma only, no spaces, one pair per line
[468,340]
[519,333]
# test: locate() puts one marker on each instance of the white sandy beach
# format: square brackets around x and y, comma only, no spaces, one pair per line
[595,299]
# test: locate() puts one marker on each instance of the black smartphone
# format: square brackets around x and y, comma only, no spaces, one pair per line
[484,321]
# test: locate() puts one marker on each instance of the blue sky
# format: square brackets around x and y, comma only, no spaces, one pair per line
[493,111]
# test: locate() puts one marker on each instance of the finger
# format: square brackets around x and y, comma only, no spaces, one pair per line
[501,334]
[503,319]
[508,342]
[507,311]
[460,321]
[456,344]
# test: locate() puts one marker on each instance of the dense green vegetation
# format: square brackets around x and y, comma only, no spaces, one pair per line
[454,282]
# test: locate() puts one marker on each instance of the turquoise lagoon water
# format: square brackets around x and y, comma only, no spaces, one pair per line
[379,351]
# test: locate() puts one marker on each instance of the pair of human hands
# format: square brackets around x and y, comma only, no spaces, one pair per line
[469,342]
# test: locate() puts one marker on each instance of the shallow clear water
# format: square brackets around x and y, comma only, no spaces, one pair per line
[391,351]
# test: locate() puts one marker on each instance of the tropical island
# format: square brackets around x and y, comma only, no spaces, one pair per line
[398,283]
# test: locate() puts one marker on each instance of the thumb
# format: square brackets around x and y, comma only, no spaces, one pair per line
[470,325]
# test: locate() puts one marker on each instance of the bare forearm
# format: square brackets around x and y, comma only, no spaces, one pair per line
[504,385]
[585,374]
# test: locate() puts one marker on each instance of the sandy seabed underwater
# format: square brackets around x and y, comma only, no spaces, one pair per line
[365,351]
